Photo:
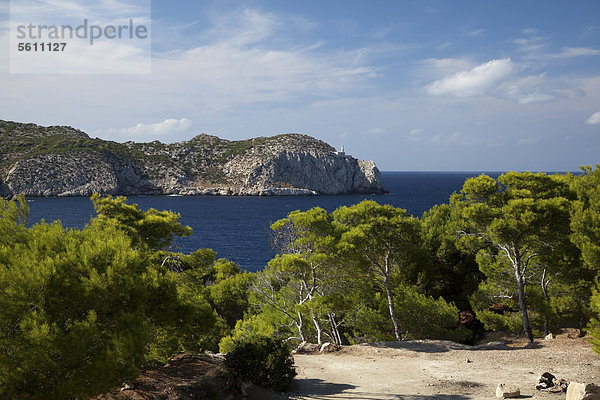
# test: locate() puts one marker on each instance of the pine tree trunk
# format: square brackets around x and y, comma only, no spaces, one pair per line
[388,290]
[300,326]
[335,332]
[319,330]
[547,301]
[523,306]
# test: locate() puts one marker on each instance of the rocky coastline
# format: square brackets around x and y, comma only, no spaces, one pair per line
[62,161]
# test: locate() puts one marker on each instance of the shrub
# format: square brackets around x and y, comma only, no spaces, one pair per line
[594,325]
[424,317]
[250,326]
[262,360]
[80,308]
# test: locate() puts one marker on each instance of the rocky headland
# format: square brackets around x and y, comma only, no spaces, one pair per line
[63,161]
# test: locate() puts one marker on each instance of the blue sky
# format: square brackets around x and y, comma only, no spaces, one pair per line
[412,85]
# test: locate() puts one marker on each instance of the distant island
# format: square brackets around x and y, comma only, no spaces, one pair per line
[64,161]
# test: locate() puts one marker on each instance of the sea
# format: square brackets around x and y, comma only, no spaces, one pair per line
[237,227]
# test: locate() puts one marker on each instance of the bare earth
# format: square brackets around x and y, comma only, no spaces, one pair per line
[433,369]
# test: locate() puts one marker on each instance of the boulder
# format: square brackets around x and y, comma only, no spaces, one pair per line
[306,348]
[507,391]
[329,348]
[583,391]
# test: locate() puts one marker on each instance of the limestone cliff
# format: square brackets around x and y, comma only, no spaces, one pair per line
[62,161]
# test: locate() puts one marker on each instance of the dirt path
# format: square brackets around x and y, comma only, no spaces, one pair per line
[426,370]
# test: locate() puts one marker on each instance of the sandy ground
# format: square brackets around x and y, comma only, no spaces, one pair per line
[426,370]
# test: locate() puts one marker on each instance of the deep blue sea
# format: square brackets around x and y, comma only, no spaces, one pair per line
[237,228]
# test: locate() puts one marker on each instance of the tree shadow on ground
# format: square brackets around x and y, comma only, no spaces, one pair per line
[442,346]
[310,387]
[318,389]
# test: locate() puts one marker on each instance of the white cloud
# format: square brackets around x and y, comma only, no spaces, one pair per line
[530,31]
[244,27]
[477,81]
[532,46]
[476,32]
[525,141]
[444,66]
[531,89]
[245,60]
[164,129]
[248,58]
[414,132]
[376,131]
[569,52]
[445,139]
[123,55]
[532,98]
[594,119]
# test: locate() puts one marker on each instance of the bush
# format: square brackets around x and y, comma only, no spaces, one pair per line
[250,326]
[262,360]
[424,317]
[80,308]
[72,312]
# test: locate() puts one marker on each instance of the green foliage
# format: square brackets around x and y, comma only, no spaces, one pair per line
[423,317]
[14,217]
[80,310]
[454,274]
[384,242]
[516,223]
[586,216]
[594,325]
[262,360]
[308,274]
[250,326]
[370,325]
[74,312]
[229,296]
[382,239]
[150,229]
[496,304]
[585,225]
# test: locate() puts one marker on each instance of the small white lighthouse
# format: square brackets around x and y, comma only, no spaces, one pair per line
[341,152]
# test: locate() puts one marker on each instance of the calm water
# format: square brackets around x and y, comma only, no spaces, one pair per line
[237,228]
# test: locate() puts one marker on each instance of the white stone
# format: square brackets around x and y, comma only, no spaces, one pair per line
[583,391]
[507,391]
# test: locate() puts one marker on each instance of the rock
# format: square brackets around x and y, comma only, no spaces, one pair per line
[306,348]
[549,383]
[571,333]
[583,391]
[545,381]
[549,336]
[507,391]
[329,347]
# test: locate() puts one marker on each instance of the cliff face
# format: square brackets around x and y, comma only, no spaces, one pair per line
[62,161]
